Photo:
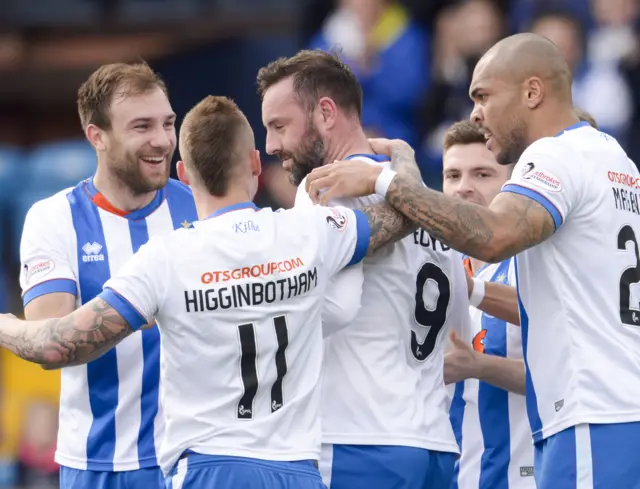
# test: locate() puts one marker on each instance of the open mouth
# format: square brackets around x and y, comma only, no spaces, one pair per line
[153,160]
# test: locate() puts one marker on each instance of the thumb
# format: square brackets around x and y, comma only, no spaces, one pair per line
[456,340]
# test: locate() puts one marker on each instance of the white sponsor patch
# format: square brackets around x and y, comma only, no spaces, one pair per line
[38,270]
[541,178]
[337,220]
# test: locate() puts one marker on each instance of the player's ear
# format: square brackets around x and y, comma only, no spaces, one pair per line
[95,135]
[328,111]
[182,173]
[256,165]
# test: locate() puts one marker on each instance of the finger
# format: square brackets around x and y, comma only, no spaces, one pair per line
[380,145]
[318,173]
[321,184]
[458,341]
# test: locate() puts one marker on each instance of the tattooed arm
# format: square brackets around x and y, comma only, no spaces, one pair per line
[511,224]
[75,339]
[386,226]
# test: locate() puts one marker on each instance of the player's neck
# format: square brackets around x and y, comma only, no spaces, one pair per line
[207,204]
[476,264]
[118,194]
[353,142]
[554,125]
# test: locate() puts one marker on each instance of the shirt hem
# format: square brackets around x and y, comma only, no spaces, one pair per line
[103,466]
[592,418]
[382,439]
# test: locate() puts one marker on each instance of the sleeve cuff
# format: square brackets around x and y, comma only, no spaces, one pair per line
[123,307]
[52,286]
[539,198]
[363,234]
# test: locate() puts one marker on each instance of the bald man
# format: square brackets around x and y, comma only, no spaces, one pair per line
[571,215]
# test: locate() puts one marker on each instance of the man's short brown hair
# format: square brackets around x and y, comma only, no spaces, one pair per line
[463,132]
[96,94]
[316,74]
[213,136]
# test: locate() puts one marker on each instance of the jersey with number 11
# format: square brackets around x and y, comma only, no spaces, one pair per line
[238,301]
[580,289]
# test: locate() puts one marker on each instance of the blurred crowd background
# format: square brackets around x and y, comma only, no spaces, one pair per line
[414,59]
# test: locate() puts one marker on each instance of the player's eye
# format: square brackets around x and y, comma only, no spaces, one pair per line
[279,127]
[451,176]
[169,125]
[483,175]
[142,127]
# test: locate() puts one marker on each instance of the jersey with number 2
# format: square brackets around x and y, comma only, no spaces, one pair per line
[579,290]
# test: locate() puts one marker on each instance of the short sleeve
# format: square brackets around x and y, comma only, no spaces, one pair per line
[543,174]
[345,233]
[46,266]
[138,289]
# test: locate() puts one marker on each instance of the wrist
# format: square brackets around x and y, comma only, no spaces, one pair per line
[383,180]
[477,293]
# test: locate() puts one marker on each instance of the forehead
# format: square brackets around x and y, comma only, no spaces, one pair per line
[149,105]
[487,76]
[468,157]
[279,98]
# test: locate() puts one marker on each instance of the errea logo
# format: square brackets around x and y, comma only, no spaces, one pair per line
[92,252]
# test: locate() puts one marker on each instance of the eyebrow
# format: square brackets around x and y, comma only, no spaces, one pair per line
[474,93]
[138,120]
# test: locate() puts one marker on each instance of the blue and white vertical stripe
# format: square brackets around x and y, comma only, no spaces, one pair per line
[490,423]
[110,417]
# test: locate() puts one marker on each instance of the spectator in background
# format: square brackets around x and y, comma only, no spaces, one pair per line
[598,84]
[37,468]
[464,31]
[390,55]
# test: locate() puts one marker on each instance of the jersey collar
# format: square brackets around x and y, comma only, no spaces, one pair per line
[374,157]
[577,125]
[100,201]
[234,207]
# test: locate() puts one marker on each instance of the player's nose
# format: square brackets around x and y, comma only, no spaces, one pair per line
[465,189]
[161,139]
[274,146]
[476,114]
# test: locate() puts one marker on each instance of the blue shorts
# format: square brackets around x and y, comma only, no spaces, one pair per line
[221,472]
[385,467]
[590,456]
[130,479]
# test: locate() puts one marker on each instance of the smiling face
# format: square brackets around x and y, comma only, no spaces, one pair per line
[141,139]
[470,172]
[291,131]
[499,111]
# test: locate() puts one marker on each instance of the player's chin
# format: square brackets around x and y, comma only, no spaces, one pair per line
[156,180]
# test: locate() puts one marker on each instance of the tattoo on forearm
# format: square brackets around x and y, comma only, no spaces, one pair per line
[466,227]
[403,160]
[75,339]
[387,225]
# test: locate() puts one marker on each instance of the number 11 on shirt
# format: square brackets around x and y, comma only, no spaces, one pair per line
[248,369]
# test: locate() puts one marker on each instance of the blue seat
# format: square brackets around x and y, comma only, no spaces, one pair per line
[56,166]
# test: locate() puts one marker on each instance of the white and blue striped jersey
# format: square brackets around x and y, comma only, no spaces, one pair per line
[74,241]
[490,423]
[239,300]
[578,290]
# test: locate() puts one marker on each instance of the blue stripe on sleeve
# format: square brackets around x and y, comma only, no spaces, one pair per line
[539,198]
[363,234]
[124,308]
[50,287]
